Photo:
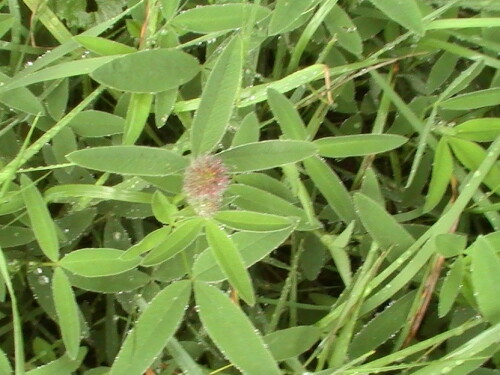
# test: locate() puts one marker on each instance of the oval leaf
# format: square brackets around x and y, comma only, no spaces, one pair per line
[230,261]
[265,155]
[358,145]
[175,242]
[405,12]
[473,100]
[217,100]
[291,342]
[479,129]
[252,221]
[96,124]
[485,272]
[129,160]
[41,222]
[123,282]
[252,246]
[153,329]
[148,71]
[213,18]
[232,332]
[98,262]
[67,312]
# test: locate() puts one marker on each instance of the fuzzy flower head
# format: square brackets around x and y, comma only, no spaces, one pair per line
[205,182]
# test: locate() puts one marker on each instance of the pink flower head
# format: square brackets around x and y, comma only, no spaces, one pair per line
[205,182]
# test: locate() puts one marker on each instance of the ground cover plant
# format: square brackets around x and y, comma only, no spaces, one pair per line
[249,187]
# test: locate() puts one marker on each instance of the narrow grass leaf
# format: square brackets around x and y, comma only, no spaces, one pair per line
[382,327]
[183,358]
[129,160]
[232,332]
[16,317]
[405,12]
[67,312]
[152,71]
[358,145]
[451,287]
[266,154]
[287,116]
[473,100]
[230,261]
[253,247]
[479,129]
[217,100]
[180,238]
[332,188]
[102,46]
[97,262]
[252,221]
[442,171]
[41,222]
[213,18]
[485,274]
[383,228]
[290,342]
[157,323]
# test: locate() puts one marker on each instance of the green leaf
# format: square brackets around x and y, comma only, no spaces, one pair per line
[97,262]
[473,100]
[451,286]
[287,116]
[252,221]
[213,18]
[230,261]
[485,274]
[332,188]
[164,104]
[405,12]
[20,98]
[358,145]
[5,367]
[63,365]
[253,246]
[61,193]
[148,71]
[442,171]
[102,46]
[291,342]
[441,70]
[180,238]
[232,332]
[153,329]
[41,222]
[93,123]
[163,209]
[67,312]
[266,154]
[253,199]
[129,160]
[479,129]
[382,327]
[341,26]
[471,155]
[13,235]
[122,282]
[286,13]
[248,131]
[450,244]
[137,116]
[217,100]
[383,228]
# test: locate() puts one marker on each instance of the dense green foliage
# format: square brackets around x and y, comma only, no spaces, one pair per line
[261,187]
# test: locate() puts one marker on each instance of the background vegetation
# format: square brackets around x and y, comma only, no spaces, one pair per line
[260,187]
